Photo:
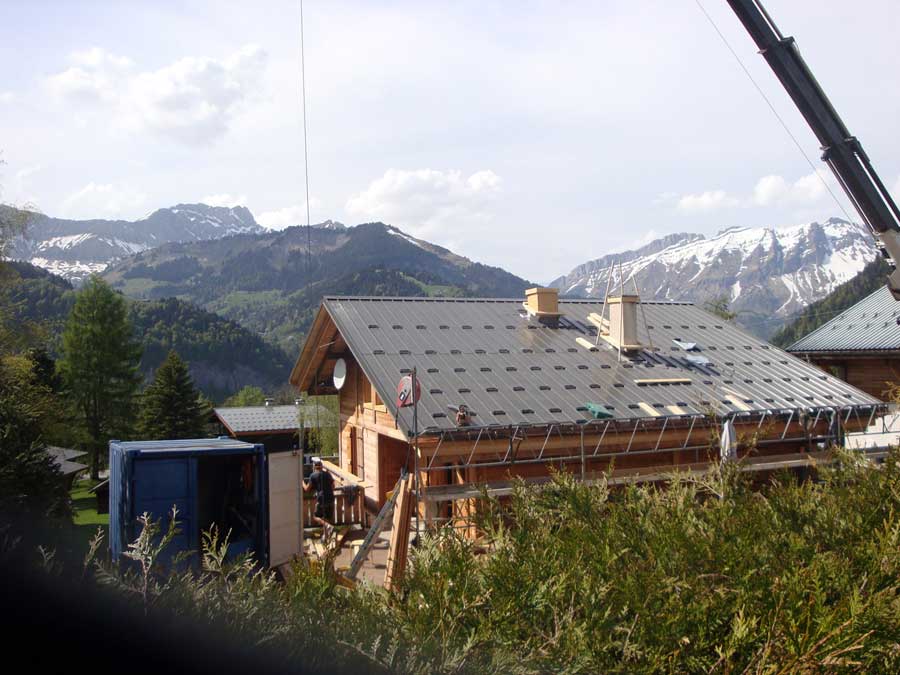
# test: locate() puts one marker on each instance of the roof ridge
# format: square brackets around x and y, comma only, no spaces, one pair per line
[470,300]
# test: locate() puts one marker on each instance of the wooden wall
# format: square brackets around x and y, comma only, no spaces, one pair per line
[873,374]
[369,436]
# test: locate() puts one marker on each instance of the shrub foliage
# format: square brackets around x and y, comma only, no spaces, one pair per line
[705,574]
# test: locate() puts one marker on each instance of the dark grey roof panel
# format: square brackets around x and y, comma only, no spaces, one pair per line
[510,371]
[260,418]
[869,325]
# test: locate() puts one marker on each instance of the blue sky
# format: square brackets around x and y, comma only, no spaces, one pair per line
[531,135]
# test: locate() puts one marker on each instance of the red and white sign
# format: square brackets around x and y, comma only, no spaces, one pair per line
[405,391]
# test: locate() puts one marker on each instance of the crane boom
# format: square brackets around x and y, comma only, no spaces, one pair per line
[841,150]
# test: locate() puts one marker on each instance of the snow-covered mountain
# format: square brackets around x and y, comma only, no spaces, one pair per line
[76,248]
[765,273]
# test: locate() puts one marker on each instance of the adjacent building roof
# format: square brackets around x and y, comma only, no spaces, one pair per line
[869,325]
[261,419]
[63,458]
[511,370]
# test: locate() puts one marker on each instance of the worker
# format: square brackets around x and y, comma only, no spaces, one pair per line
[322,482]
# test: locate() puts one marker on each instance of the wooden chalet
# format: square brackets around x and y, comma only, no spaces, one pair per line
[860,346]
[621,389]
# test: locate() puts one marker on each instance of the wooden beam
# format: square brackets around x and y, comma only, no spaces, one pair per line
[346,476]
[649,409]
[664,380]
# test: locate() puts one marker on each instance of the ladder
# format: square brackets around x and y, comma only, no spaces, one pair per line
[381,521]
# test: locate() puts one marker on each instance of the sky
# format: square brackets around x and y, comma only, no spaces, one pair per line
[530,135]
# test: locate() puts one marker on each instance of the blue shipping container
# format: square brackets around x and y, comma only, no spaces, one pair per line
[220,482]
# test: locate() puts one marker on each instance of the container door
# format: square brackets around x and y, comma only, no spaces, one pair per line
[159,484]
[118,499]
[285,477]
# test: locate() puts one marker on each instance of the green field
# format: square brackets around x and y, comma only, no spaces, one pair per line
[85,519]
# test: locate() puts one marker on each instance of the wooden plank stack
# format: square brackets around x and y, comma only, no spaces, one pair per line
[399,547]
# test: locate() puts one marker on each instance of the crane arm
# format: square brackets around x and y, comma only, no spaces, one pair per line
[841,150]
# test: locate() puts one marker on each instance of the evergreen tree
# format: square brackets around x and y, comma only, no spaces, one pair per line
[247,396]
[100,365]
[719,306]
[31,486]
[171,407]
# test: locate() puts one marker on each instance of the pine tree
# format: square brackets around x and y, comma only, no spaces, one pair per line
[100,365]
[171,407]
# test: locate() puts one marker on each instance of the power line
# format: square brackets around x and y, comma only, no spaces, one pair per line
[774,111]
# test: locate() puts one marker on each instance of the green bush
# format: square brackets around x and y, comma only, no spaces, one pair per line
[699,576]
[708,574]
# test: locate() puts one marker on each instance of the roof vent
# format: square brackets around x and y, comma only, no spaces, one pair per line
[543,303]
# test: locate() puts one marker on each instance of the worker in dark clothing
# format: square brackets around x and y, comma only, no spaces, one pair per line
[322,482]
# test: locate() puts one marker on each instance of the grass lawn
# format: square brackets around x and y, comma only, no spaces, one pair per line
[85,520]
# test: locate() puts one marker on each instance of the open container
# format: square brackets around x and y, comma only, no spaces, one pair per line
[221,482]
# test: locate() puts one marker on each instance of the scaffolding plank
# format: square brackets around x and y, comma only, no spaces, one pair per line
[399,546]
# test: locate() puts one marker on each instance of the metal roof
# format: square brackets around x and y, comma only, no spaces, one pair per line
[63,454]
[222,444]
[63,457]
[510,370]
[273,418]
[869,325]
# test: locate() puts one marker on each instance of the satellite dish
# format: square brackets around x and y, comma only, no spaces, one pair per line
[340,373]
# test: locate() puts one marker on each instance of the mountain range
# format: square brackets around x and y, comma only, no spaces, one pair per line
[74,249]
[222,260]
[765,274]
[271,284]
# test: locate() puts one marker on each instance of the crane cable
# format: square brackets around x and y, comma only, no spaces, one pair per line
[306,177]
[774,111]
[305,141]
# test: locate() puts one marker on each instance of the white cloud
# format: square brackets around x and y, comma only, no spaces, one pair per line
[771,190]
[224,199]
[895,193]
[776,189]
[96,76]
[97,57]
[665,198]
[103,200]
[279,219]
[426,200]
[711,200]
[192,100]
[7,97]
[24,173]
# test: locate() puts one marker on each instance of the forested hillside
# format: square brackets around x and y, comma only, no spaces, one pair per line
[224,356]
[268,284]
[846,295]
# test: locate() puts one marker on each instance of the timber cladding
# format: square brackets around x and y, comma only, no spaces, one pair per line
[875,376]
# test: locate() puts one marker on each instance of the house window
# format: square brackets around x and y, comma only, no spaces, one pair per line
[368,392]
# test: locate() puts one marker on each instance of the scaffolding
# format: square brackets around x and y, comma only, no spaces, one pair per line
[818,428]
